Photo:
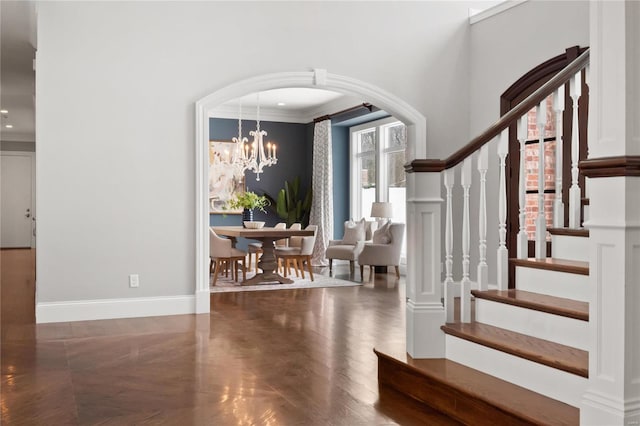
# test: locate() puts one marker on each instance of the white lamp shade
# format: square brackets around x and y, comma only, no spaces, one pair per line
[384,210]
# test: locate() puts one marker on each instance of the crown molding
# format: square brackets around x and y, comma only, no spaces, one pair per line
[474,18]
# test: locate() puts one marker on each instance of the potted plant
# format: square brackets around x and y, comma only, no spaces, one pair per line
[290,204]
[248,201]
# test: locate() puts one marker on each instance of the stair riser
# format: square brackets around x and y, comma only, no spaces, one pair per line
[440,396]
[563,330]
[553,283]
[568,247]
[548,381]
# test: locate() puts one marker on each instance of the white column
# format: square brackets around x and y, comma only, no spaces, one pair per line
[523,237]
[449,287]
[425,311]
[558,205]
[613,391]
[541,220]
[202,295]
[483,268]
[503,255]
[465,284]
[575,90]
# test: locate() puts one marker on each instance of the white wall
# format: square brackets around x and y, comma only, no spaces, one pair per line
[116,86]
[503,48]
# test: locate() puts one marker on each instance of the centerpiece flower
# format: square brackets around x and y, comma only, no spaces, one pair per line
[248,200]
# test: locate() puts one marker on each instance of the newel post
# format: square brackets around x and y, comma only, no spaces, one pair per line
[612,396]
[425,311]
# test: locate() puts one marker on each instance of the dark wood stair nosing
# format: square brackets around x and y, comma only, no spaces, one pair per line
[552,304]
[570,232]
[465,400]
[553,264]
[458,330]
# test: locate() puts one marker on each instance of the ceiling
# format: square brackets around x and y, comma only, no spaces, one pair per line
[293,105]
[17,84]
[17,78]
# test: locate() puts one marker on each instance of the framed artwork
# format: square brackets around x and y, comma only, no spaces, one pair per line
[224,181]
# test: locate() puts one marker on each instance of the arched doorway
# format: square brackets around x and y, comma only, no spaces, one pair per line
[416,138]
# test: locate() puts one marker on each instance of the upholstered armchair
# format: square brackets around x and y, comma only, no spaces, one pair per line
[351,244]
[384,250]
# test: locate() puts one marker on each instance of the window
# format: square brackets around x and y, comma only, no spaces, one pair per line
[532,146]
[377,168]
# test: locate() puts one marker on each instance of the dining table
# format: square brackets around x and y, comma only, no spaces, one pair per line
[268,236]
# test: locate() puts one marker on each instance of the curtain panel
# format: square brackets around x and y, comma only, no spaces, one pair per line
[322,186]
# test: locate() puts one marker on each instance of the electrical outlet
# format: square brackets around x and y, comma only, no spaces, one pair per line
[134,280]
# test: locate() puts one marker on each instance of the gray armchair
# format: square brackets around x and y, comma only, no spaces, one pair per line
[385,252]
[350,246]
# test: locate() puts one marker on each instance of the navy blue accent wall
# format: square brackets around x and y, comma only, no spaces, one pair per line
[341,179]
[294,159]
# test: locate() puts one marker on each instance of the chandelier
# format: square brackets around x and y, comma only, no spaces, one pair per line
[252,156]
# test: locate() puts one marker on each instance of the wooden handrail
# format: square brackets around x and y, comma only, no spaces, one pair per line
[438,165]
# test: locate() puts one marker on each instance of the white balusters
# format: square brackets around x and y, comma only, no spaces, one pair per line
[541,220]
[465,284]
[483,268]
[558,205]
[575,90]
[523,237]
[449,288]
[503,257]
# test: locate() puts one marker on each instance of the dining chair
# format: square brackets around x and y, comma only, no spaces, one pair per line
[256,248]
[295,241]
[222,252]
[299,255]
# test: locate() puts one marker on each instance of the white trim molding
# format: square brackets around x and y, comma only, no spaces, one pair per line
[476,16]
[85,310]
[412,118]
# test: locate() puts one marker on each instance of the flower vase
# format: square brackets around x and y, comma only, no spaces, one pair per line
[247,216]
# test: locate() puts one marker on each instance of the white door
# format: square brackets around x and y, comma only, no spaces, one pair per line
[16,198]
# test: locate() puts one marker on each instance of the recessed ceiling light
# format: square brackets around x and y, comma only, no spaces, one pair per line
[9,126]
[4,111]
[281,104]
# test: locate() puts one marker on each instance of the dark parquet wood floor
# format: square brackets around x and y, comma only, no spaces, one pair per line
[287,357]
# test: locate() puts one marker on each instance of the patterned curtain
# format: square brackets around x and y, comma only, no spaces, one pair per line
[322,185]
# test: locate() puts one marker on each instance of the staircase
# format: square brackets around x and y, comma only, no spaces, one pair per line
[523,359]
[516,353]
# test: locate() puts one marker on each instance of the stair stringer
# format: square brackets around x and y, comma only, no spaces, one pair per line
[548,381]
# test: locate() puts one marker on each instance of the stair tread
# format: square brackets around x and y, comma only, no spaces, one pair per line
[540,302]
[515,400]
[554,264]
[571,232]
[555,355]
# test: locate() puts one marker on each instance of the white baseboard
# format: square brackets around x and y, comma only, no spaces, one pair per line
[85,310]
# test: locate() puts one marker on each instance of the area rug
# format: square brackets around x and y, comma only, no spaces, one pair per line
[224,285]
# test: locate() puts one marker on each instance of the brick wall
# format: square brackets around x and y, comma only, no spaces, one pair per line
[531,167]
